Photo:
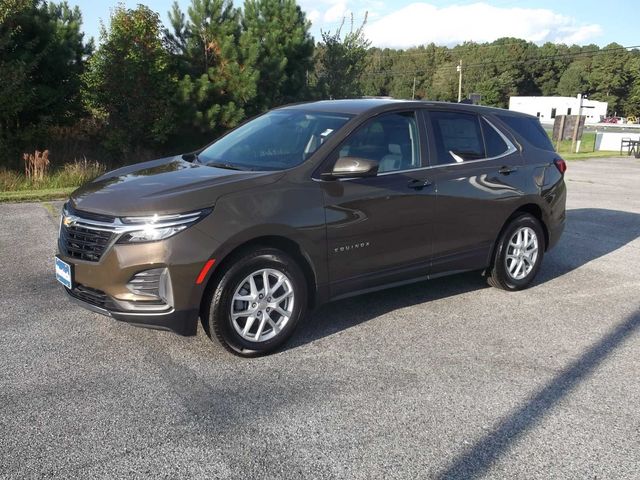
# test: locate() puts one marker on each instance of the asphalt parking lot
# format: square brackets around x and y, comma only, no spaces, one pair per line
[441,379]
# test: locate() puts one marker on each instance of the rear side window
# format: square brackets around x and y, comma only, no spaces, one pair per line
[530,129]
[458,136]
[494,143]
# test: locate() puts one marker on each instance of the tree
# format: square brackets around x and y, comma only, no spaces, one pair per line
[377,77]
[445,83]
[42,55]
[574,80]
[341,62]
[128,83]
[546,70]
[217,77]
[284,57]
[609,79]
[632,100]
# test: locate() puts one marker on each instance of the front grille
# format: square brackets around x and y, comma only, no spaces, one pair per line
[92,296]
[82,243]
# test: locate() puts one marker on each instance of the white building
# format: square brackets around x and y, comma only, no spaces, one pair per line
[546,108]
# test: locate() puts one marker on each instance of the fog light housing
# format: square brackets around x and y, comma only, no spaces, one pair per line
[155,286]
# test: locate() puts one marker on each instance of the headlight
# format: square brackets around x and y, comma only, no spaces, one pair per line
[157,227]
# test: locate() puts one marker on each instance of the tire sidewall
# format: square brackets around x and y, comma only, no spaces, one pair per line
[219,311]
[500,265]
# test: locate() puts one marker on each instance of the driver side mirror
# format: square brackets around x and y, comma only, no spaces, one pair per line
[353,167]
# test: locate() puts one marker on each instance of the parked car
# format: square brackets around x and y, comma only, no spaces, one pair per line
[310,203]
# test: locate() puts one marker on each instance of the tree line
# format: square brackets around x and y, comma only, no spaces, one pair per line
[146,88]
[507,67]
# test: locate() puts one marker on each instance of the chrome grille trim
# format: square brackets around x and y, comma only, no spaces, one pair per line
[96,233]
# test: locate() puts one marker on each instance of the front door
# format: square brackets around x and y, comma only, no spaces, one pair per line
[379,229]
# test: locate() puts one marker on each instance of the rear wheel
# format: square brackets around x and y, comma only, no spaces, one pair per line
[518,254]
[258,302]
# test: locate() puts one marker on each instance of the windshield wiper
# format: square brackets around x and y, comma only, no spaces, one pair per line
[191,157]
[228,166]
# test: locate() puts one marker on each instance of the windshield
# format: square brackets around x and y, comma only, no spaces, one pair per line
[277,140]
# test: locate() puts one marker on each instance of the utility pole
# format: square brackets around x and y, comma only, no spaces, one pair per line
[459,70]
[413,91]
[574,138]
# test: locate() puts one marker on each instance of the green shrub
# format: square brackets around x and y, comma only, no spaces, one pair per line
[78,172]
[71,174]
[11,180]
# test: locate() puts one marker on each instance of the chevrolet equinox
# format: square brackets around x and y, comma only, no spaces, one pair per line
[310,203]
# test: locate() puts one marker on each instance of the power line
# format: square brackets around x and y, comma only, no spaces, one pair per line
[512,62]
[474,46]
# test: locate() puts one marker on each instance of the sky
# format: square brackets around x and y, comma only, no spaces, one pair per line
[407,23]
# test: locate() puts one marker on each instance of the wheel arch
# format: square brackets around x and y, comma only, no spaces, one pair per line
[530,208]
[535,210]
[286,245]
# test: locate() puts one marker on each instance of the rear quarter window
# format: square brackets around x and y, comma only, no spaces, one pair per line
[530,129]
[494,143]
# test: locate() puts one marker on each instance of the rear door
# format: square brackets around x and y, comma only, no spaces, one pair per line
[479,181]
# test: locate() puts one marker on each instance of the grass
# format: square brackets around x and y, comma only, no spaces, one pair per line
[36,195]
[16,187]
[587,155]
[53,211]
[587,145]
[587,148]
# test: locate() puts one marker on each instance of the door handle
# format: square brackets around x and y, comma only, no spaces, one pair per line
[419,184]
[505,170]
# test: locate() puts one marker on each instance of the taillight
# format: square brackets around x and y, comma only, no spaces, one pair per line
[561,165]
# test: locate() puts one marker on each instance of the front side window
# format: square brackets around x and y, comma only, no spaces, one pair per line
[277,140]
[390,139]
[458,137]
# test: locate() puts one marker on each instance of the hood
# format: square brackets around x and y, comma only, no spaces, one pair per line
[168,185]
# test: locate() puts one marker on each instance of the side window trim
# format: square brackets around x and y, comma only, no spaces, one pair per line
[511,148]
[433,163]
[422,142]
[459,160]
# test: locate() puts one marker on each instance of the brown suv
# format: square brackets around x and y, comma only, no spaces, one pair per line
[309,203]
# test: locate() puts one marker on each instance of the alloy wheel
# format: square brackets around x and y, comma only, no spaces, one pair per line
[522,253]
[262,305]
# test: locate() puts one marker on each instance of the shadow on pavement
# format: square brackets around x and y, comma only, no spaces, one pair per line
[479,457]
[590,234]
[344,314]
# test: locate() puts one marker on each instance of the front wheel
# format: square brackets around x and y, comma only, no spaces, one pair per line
[518,254]
[258,302]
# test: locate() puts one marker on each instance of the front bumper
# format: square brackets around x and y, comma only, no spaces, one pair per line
[181,322]
[104,286]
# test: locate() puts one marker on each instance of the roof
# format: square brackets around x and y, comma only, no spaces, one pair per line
[352,106]
[357,106]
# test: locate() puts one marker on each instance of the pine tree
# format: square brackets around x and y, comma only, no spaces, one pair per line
[217,77]
[42,55]
[609,77]
[574,80]
[632,100]
[280,31]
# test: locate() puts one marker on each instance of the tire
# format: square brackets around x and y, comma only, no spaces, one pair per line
[231,330]
[510,263]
